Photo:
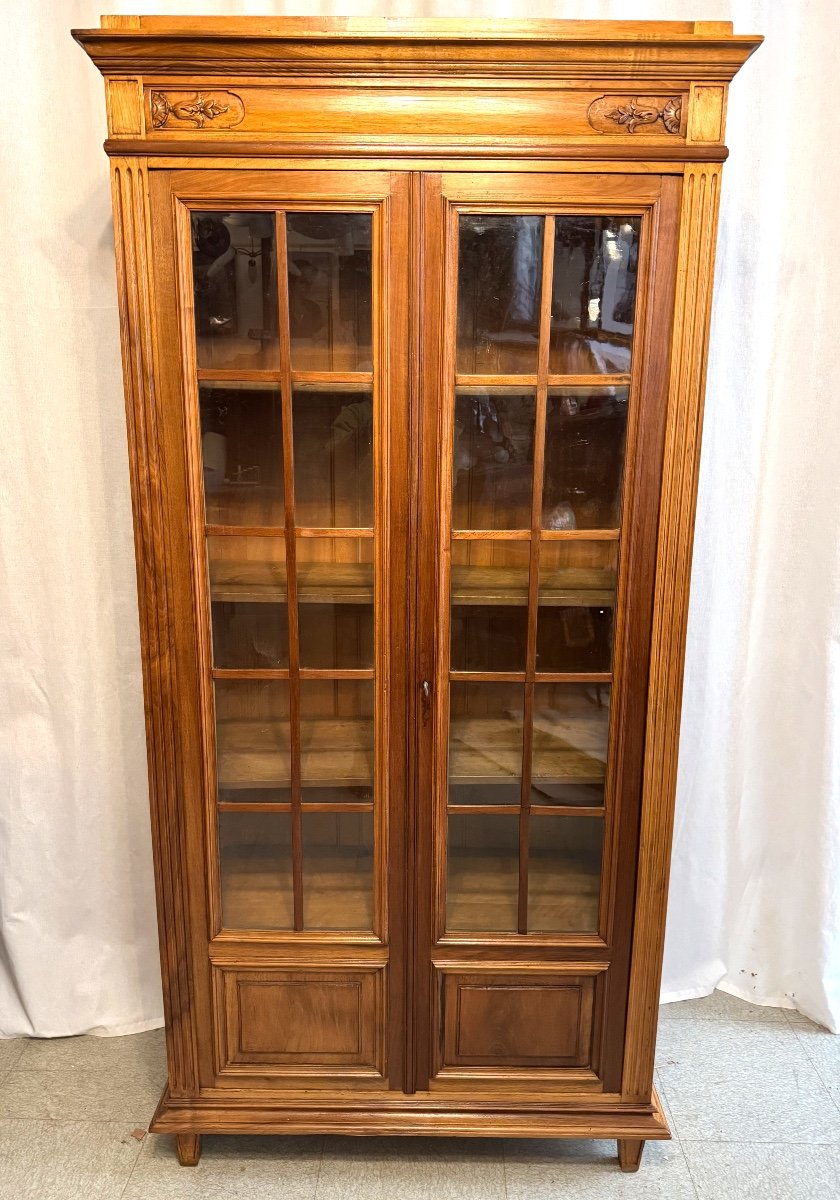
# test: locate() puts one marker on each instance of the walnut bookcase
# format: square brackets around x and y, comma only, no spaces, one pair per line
[414,322]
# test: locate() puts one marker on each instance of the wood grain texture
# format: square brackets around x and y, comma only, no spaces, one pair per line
[160,684]
[188,1148]
[387,1007]
[630,1152]
[692,314]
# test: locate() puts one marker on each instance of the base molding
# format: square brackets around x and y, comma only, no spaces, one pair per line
[210,1115]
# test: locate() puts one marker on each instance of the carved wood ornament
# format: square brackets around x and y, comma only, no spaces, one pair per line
[196,108]
[631,112]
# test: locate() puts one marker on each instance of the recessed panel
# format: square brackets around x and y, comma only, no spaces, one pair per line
[516,1020]
[312,1020]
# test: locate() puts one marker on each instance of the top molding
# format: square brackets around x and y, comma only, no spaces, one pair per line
[316,46]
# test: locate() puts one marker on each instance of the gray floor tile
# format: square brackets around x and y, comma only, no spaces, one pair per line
[823,1050]
[588,1170]
[124,1093]
[10,1052]
[92,1053]
[412,1168]
[86,1078]
[750,1171]
[729,1081]
[230,1168]
[720,1006]
[51,1160]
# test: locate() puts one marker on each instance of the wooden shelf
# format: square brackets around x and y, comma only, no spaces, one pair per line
[257,888]
[482,894]
[264,582]
[483,750]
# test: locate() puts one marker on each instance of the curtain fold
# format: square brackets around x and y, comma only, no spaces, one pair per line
[755,890]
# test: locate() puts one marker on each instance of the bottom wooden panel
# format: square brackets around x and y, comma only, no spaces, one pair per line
[293,1021]
[516,1021]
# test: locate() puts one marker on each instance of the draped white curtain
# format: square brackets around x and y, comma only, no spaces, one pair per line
[755,895]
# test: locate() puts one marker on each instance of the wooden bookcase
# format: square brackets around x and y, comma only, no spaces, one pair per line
[414,321]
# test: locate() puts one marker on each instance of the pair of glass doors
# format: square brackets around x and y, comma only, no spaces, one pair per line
[423,419]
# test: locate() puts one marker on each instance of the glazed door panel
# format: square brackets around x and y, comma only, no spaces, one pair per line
[547,327]
[286,410]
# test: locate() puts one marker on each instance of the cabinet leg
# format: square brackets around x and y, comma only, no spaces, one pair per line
[188,1146]
[630,1153]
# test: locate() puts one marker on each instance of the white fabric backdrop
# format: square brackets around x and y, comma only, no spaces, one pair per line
[755,905]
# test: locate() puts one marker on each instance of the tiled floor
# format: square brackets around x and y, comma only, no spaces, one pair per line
[752,1094]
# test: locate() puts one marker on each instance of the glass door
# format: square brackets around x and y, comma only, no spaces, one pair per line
[296,419]
[546,486]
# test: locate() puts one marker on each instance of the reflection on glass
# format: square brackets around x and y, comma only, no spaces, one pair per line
[584,457]
[489,596]
[564,873]
[329,256]
[336,740]
[499,285]
[492,459]
[242,453]
[338,871]
[576,602]
[255,862]
[571,726]
[485,742]
[483,873]
[593,296]
[335,602]
[252,734]
[235,289]
[248,602]
[333,451]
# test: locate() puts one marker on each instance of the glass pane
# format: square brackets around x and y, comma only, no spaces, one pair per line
[335,602]
[483,873]
[492,459]
[571,726]
[336,740]
[338,871]
[248,602]
[499,286]
[235,286]
[593,298]
[329,290]
[242,453]
[485,742]
[252,734]
[255,858]
[333,444]
[576,603]
[564,873]
[489,605]
[584,457]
